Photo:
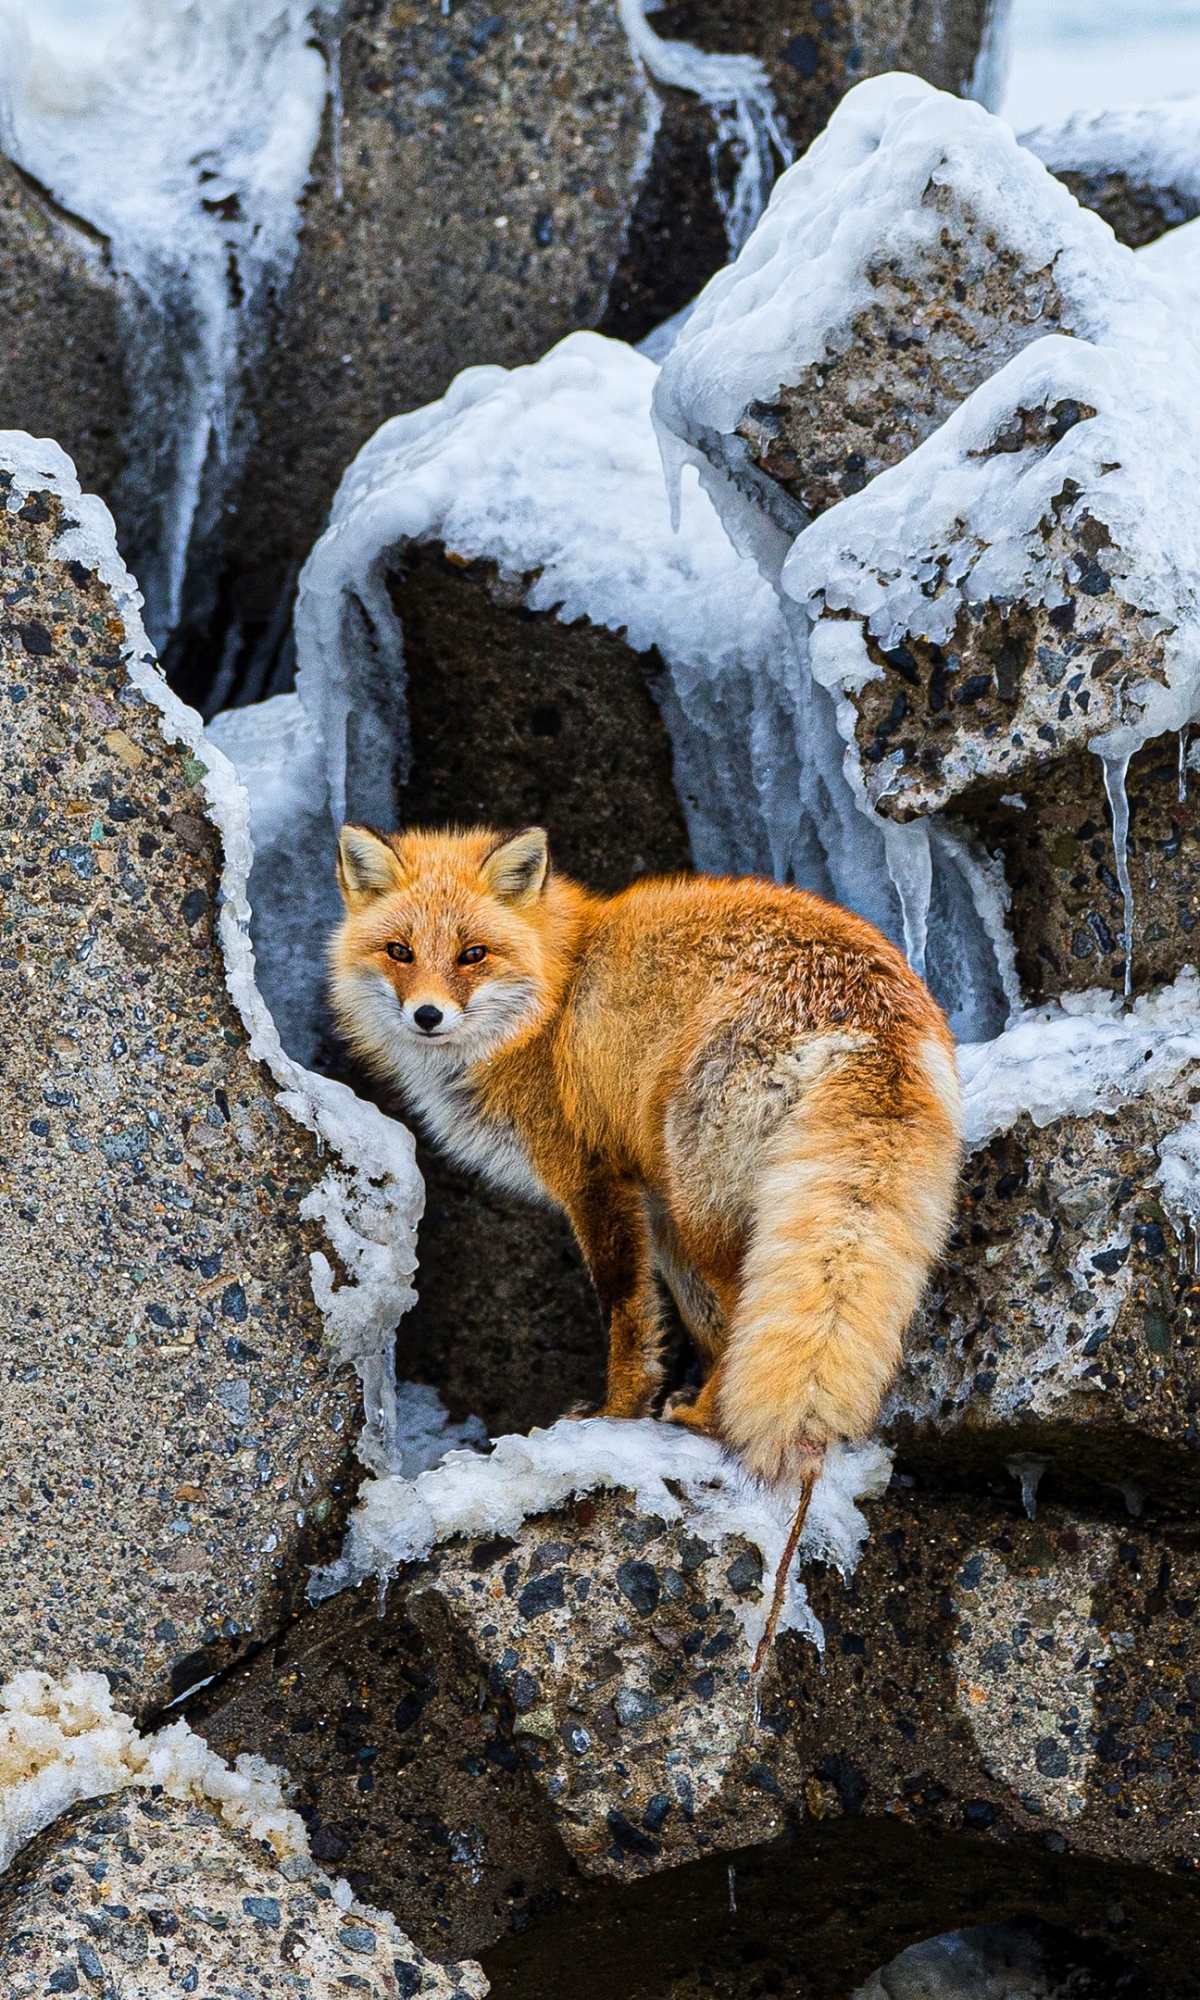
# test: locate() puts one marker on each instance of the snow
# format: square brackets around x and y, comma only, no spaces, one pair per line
[668,1471]
[371,1197]
[960,520]
[182,129]
[857,194]
[63,1741]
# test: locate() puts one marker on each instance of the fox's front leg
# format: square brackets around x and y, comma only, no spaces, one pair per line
[608,1219]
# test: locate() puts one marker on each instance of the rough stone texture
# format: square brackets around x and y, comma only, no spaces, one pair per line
[1063,1316]
[937,327]
[936,1703]
[142,1896]
[60,333]
[408,1777]
[577,1693]
[813,52]
[1034,1680]
[489,194]
[814,1915]
[176,1447]
[517,719]
[1011,691]
[473,212]
[1136,211]
[1067,914]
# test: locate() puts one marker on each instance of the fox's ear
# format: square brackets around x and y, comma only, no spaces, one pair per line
[516,870]
[367,866]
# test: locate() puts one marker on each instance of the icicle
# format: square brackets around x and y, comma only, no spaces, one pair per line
[1183,745]
[910,866]
[333,58]
[732,1891]
[1028,1472]
[1115,771]
[737,91]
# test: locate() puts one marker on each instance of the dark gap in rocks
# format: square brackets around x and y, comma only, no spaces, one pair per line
[819,1911]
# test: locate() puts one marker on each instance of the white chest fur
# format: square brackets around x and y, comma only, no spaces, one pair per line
[443,1100]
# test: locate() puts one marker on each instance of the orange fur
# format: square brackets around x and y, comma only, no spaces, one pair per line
[737,1085]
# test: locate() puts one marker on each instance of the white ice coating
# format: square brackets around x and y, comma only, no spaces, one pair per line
[63,1741]
[1086,1052]
[957,522]
[738,93]
[371,1197]
[1151,145]
[668,1471]
[182,129]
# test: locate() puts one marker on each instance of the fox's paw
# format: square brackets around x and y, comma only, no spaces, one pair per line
[694,1412]
[582,1409]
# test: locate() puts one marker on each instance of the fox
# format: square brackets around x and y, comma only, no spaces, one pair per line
[727,1084]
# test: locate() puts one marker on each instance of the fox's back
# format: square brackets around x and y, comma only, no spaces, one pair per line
[703,995]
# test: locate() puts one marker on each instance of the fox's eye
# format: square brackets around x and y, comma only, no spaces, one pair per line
[473,954]
[402,953]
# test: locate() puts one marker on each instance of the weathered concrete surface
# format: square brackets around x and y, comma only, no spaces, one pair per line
[1016,686]
[60,333]
[470,209]
[1033,1680]
[819,1913]
[1062,1319]
[176,1446]
[938,325]
[575,1695]
[1136,211]
[1066,913]
[140,1896]
[488,190]
[409,1777]
[812,54]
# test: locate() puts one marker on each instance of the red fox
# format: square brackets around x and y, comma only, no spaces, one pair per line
[735,1085]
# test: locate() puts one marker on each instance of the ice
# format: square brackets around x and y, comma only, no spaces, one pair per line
[738,93]
[371,1197]
[279,757]
[1116,770]
[425,1431]
[183,129]
[63,1741]
[668,1471]
[1027,1472]
[1081,1054]
[961,520]
[1152,145]
[858,194]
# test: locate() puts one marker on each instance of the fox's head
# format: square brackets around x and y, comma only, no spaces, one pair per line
[442,943]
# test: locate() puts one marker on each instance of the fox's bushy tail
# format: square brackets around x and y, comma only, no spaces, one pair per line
[853,1206]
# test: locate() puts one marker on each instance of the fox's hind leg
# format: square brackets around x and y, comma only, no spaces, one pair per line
[700,1309]
[609,1220]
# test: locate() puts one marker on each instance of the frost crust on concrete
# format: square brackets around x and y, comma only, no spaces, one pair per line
[62,1741]
[668,1471]
[371,1197]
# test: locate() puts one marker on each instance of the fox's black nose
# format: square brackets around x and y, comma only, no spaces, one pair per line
[427,1018]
